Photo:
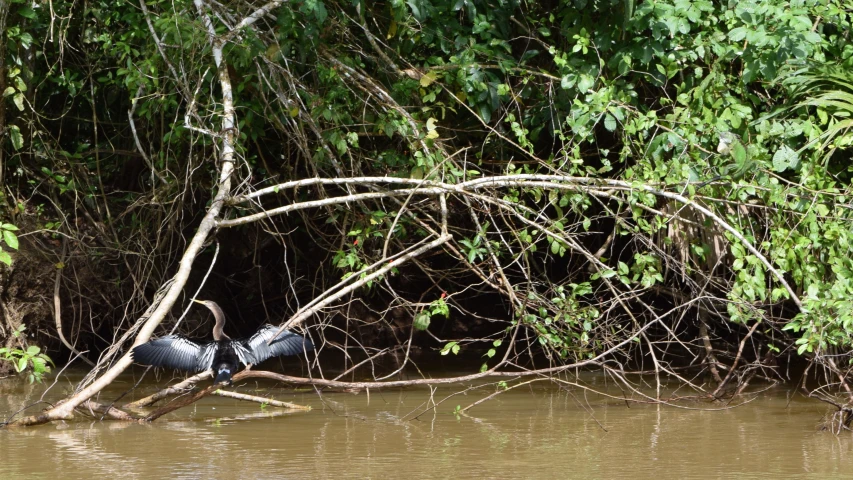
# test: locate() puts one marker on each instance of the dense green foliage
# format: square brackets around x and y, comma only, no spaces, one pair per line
[29,361]
[453,90]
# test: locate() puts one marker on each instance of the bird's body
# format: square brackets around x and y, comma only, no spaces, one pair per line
[225,362]
[223,355]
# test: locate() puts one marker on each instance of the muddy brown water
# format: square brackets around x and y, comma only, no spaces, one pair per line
[536,431]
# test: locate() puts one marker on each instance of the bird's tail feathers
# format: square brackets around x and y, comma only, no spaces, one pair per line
[223,374]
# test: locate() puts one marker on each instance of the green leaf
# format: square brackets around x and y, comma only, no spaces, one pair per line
[33,350]
[9,226]
[485,112]
[416,12]
[21,365]
[5,258]
[607,273]
[555,247]
[10,239]
[737,34]
[422,321]
[624,66]
[8,91]
[26,40]
[785,158]
[739,153]
[27,12]
[20,85]
[17,138]
[585,83]
[46,359]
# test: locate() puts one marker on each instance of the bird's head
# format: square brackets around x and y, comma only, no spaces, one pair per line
[218,334]
[211,305]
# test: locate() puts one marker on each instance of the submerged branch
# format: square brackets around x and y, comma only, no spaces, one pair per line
[92,407]
[181,403]
[176,389]
[215,389]
[261,400]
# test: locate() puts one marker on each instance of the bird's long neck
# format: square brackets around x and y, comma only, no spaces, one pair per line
[218,334]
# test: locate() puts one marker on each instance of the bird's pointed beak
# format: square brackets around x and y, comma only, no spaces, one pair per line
[197,301]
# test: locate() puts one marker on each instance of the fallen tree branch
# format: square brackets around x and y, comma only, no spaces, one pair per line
[183,402]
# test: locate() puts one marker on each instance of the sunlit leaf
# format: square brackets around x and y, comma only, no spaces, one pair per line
[18,99]
[10,239]
[610,123]
[785,158]
[427,79]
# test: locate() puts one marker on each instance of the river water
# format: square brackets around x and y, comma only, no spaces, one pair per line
[535,431]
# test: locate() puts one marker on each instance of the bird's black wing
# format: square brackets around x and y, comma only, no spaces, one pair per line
[240,348]
[205,358]
[286,343]
[176,352]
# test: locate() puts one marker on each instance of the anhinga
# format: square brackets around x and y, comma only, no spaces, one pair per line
[223,354]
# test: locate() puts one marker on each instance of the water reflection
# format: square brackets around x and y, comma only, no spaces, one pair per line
[537,431]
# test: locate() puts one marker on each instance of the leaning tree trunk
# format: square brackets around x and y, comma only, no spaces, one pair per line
[65,408]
